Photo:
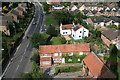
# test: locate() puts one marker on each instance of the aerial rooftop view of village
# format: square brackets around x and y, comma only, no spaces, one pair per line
[60,40]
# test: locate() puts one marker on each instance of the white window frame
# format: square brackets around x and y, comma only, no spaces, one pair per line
[55,54]
[70,54]
[44,62]
[60,54]
[80,53]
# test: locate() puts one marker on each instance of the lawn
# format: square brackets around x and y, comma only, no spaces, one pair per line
[50,20]
[56,41]
[68,69]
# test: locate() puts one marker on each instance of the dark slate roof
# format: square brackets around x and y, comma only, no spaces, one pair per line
[100,19]
[90,5]
[85,11]
[106,20]
[4,22]
[7,18]
[116,19]
[102,11]
[76,28]
[111,33]
[57,5]
[21,9]
[94,11]
[15,12]
[96,19]
[75,11]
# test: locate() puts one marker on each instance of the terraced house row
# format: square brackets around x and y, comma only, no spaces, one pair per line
[13,15]
[52,54]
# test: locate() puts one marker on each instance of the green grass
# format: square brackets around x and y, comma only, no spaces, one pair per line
[56,41]
[67,69]
[50,20]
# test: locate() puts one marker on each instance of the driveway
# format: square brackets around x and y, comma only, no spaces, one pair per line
[67,37]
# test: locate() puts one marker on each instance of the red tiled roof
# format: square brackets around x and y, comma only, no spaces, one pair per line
[97,67]
[45,58]
[64,48]
[69,26]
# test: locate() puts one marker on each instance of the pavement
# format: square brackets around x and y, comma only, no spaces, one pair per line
[21,59]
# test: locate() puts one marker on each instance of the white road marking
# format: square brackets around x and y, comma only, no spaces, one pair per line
[17,67]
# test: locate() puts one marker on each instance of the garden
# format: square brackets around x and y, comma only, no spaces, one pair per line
[66,69]
[73,58]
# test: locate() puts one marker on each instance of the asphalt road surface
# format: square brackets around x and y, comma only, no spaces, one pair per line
[24,50]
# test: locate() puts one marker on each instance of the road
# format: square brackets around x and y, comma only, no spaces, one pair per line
[24,50]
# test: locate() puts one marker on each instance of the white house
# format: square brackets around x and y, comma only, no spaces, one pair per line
[79,32]
[73,8]
[66,29]
[57,6]
[75,31]
[107,8]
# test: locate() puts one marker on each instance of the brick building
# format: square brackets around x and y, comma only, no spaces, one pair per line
[110,36]
[94,67]
[52,54]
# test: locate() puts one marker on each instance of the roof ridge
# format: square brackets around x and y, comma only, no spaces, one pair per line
[101,61]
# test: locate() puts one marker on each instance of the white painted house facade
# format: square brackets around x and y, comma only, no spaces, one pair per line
[75,31]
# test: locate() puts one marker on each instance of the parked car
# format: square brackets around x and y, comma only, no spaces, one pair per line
[34,23]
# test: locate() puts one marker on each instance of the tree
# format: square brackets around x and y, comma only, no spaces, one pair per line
[46,6]
[38,39]
[118,3]
[11,28]
[51,31]
[113,49]
[63,17]
[34,74]
[35,58]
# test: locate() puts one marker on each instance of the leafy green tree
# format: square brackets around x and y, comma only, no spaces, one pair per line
[118,3]
[63,17]
[65,3]
[34,74]
[11,28]
[113,57]
[4,45]
[38,39]
[36,58]
[46,6]
[113,49]
[51,31]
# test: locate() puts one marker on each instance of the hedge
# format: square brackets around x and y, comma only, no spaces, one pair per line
[67,69]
